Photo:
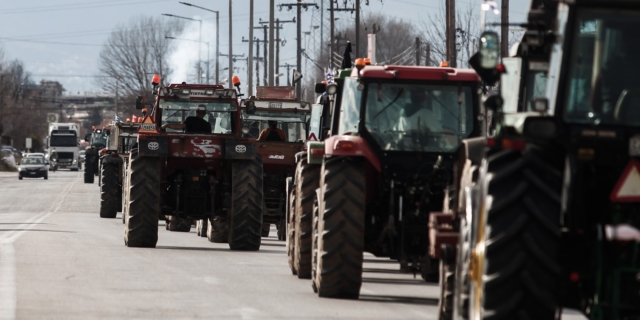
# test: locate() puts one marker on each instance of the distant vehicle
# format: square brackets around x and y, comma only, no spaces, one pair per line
[63,140]
[17,155]
[33,167]
[81,157]
[7,156]
[37,154]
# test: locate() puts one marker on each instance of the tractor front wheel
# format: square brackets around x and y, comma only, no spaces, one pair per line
[245,218]
[143,201]
[109,192]
[340,229]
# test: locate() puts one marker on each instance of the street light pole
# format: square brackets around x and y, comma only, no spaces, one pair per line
[217,35]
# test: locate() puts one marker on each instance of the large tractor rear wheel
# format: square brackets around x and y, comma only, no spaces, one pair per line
[125,190]
[340,229]
[109,192]
[143,205]
[520,269]
[290,231]
[307,181]
[245,219]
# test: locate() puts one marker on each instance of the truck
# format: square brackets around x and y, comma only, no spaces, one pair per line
[62,144]
[552,208]
[182,177]
[383,168]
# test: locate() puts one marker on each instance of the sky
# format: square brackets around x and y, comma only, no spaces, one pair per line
[61,39]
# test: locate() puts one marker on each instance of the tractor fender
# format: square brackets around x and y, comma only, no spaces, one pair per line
[351,146]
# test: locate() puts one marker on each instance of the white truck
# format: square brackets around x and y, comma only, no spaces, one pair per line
[63,140]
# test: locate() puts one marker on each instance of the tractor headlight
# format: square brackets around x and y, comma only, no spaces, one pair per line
[19,168]
[245,130]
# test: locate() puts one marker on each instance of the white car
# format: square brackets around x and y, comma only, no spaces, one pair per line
[36,154]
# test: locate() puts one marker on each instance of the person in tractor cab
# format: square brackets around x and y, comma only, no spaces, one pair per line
[419,113]
[273,133]
[192,124]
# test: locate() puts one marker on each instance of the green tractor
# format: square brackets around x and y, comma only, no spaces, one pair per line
[97,142]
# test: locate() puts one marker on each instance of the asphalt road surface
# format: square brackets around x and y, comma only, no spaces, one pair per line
[59,259]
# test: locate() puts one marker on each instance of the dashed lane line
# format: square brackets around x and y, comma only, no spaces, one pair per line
[8,296]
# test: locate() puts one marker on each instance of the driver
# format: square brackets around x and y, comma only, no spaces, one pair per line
[419,113]
[192,124]
[273,133]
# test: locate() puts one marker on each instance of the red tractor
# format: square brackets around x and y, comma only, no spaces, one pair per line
[192,163]
[279,122]
[394,137]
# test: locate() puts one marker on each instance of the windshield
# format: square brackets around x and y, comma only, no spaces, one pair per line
[293,124]
[419,117]
[63,141]
[603,84]
[99,141]
[220,122]
[33,160]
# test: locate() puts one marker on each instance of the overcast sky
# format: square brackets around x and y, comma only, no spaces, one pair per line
[61,39]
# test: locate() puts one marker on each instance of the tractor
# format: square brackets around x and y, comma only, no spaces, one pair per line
[121,138]
[383,168]
[553,209]
[276,106]
[181,175]
[97,142]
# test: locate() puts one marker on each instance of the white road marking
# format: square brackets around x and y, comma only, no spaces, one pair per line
[8,297]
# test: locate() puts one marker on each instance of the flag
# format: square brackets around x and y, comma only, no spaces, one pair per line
[118,119]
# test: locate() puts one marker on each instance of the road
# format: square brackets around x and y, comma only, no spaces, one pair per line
[59,260]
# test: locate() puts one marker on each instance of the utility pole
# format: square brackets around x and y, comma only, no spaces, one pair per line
[230,79]
[357,53]
[258,41]
[288,66]
[427,58]
[450,13]
[267,76]
[278,26]
[504,52]
[417,51]
[271,42]
[250,57]
[333,21]
[299,5]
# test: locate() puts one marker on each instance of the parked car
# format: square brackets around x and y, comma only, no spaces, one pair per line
[7,156]
[17,155]
[33,167]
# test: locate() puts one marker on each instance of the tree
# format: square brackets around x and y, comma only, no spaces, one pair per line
[467,34]
[133,53]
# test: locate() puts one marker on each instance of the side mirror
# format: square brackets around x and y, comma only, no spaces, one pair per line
[320,88]
[489,49]
[485,61]
[540,128]
[251,107]
[140,102]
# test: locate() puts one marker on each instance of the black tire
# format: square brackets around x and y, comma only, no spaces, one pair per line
[177,224]
[266,229]
[291,232]
[245,220]
[307,181]
[218,230]
[109,192]
[125,191]
[520,270]
[340,229]
[201,227]
[463,260]
[19,178]
[143,205]
[88,177]
[281,228]
[447,271]
[46,177]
